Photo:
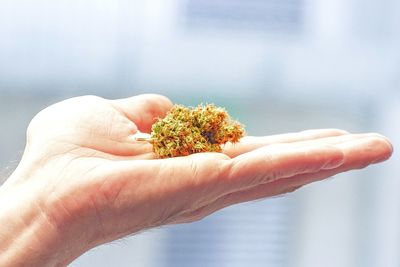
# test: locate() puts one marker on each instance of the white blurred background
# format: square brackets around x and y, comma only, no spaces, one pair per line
[276,65]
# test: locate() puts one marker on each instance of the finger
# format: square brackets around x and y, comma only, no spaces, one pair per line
[271,163]
[201,178]
[143,110]
[358,154]
[206,176]
[331,140]
[250,143]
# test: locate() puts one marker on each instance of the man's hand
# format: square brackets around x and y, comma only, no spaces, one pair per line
[84,180]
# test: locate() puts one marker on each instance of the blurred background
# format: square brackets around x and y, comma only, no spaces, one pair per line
[276,65]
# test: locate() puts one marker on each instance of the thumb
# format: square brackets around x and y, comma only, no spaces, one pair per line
[144,109]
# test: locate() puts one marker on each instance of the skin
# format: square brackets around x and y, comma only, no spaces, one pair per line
[83,179]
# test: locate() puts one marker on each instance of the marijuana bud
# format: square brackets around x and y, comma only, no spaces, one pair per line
[185,131]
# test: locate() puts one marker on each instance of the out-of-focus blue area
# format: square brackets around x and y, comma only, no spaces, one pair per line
[276,65]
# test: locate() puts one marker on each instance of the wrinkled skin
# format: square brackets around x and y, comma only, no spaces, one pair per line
[84,180]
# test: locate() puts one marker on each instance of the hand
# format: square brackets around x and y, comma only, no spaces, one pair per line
[84,180]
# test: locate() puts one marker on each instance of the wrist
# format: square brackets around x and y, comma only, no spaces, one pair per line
[27,238]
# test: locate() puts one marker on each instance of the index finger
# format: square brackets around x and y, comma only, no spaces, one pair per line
[250,143]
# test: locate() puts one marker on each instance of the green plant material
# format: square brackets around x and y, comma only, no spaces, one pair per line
[185,131]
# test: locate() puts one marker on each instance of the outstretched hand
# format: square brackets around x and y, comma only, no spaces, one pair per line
[84,180]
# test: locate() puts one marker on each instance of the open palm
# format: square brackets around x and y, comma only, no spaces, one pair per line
[95,183]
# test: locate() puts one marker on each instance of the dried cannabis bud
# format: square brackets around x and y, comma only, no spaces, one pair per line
[186,131]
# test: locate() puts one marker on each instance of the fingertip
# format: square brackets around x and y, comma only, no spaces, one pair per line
[367,149]
[388,148]
[383,145]
[386,141]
